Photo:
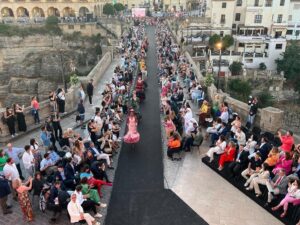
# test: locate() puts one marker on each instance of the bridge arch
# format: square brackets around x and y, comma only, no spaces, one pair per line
[7,12]
[22,12]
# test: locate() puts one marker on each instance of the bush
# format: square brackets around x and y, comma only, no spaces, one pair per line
[227,41]
[239,89]
[265,99]
[262,66]
[236,68]
[208,80]
[213,40]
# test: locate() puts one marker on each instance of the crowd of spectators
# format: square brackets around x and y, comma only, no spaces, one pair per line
[66,165]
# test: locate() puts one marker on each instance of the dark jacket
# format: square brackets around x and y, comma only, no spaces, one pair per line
[80,108]
[264,151]
[90,89]
[69,172]
[53,195]
[4,187]
[243,157]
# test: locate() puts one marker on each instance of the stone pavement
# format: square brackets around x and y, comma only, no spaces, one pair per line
[16,217]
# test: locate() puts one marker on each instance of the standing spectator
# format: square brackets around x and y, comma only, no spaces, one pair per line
[35,107]
[35,149]
[3,158]
[81,93]
[45,137]
[10,121]
[24,201]
[90,91]
[28,160]
[52,99]
[61,100]
[5,191]
[252,112]
[19,113]
[81,112]
[56,126]
[11,173]
[53,203]
[14,153]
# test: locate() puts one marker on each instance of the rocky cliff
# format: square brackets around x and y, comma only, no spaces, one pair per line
[33,65]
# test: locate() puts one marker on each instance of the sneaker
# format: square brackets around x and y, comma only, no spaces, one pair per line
[97,223]
[103,205]
[98,215]
[12,135]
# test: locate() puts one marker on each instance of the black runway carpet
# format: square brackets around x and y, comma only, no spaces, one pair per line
[138,195]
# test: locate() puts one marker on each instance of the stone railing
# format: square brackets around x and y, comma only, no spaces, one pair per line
[71,98]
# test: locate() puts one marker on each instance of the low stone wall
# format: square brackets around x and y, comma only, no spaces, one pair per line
[71,98]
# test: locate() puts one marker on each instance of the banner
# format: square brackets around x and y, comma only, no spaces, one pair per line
[138,12]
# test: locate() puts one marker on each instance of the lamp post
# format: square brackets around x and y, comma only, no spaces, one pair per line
[63,70]
[219,46]
[187,22]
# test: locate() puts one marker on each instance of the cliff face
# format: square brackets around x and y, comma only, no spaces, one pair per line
[33,65]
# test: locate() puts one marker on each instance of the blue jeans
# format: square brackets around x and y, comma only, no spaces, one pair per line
[36,116]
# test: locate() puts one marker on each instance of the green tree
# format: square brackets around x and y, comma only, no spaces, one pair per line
[236,68]
[52,21]
[119,7]
[227,41]
[265,99]
[239,89]
[213,40]
[52,25]
[262,66]
[108,9]
[289,64]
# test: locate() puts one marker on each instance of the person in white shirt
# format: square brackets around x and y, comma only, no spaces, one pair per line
[11,173]
[225,115]
[14,153]
[28,160]
[240,137]
[100,155]
[77,214]
[218,149]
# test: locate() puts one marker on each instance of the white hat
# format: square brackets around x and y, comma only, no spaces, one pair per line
[68,155]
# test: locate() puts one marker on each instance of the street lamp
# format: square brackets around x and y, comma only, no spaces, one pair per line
[219,46]
[187,22]
[63,70]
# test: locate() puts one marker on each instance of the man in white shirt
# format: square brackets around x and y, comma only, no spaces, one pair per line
[48,165]
[100,155]
[240,137]
[11,173]
[225,115]
[15,153]
[28,160]
[77,214]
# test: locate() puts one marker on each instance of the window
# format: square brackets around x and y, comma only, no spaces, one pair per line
[222,18]
[256,3]
[278,46]
[237,17]
[267,46]
[239,2]
[289,32]
[258,19]
[290,17]
[241,45]
[224,5]
[71,27]
[282,2]
[221,33]
[279,18]
[233,25]
[82,27]
[268,3]
[297,33]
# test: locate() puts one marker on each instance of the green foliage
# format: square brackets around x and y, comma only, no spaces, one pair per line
[11,30]
[119,7]
[208,80]
[74,79]
[75,36]
[239,89]
[213,40]
[108,9]
[236,68]
[262,66]
[96,39]
[265,99]
[52,21]
[227,41]
[290,65]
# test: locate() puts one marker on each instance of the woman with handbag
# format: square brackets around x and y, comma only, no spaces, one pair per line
[19,112]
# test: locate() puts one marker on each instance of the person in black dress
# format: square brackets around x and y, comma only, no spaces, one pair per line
[90,91]
[10,121]
[19,112]
[56,126]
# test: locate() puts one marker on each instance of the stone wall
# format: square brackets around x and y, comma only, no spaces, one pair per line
[71,97]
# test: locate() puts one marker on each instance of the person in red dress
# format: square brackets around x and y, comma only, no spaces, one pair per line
[228,155]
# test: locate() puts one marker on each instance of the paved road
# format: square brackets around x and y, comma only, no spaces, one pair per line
[69,122]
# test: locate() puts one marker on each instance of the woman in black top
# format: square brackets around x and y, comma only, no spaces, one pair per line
[56,126]
[19,112]
[10,121]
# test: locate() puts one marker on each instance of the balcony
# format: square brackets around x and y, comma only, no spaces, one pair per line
[280,23]
[251,8]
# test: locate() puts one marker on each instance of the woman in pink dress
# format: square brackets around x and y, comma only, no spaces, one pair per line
[132,135]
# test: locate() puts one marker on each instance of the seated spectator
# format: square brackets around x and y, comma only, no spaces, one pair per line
[69,173]
[214,129]
[260,178]
[77,214]
[86,203]
[228,155]
[254,167]
[53,203]
[239,137]
[273,157]
[296,172]
[218,149]
[240,163]
[292,196]
[264,148]
[37,184]
[203,112]
[224,115]
[98,170]
[60,175]
[251,144]
[222,131]
[277,185]
[287,141]
[174,145]
[88,190]
[235,125]
[99,154]
[189,138]
[47,165]
[169,126]
[285,162]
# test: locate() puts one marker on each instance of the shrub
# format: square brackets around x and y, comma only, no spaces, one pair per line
[239,89]
[265,99]
[262,66]
[236,68]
